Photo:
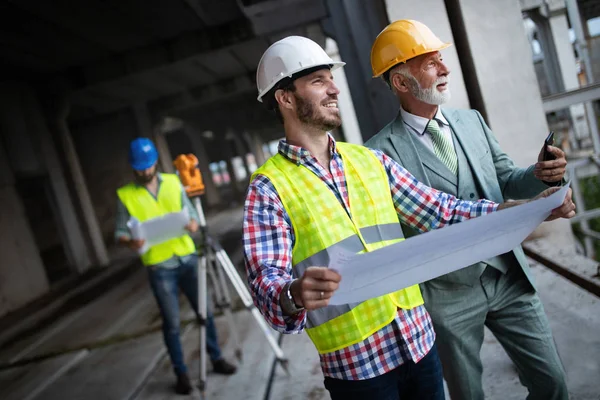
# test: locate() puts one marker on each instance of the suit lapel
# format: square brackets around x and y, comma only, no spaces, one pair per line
[406,152]
[461,132]
[415,155]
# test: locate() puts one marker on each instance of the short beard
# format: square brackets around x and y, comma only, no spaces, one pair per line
[144,179]
[428,95]
[307,113]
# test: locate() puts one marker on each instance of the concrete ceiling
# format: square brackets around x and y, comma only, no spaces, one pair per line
[170,54]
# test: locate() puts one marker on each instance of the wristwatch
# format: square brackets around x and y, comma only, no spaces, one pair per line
[287,301]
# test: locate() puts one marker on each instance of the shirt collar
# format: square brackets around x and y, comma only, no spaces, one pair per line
[419,124]
[297,154]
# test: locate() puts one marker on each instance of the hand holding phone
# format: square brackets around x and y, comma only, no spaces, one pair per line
[548,142]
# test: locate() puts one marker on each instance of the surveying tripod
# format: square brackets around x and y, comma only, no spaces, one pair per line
[216,264]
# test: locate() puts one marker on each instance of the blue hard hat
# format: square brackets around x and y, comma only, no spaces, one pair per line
[142,154]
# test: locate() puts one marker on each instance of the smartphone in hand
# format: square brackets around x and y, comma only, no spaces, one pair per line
[548,142]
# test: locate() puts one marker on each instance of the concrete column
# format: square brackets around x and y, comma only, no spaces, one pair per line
[147,128]
[550,63]
[212,195]
[226,146]
[21,268]
[566,59]
[498,44]
[83,196]
[240,149]
[72,234]
[165,160]
[350,124]
[354,26]
[256,146]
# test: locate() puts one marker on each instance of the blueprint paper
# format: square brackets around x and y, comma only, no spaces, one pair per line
[436,253]
[158,230]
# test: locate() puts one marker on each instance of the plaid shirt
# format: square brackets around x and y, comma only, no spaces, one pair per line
[269,238]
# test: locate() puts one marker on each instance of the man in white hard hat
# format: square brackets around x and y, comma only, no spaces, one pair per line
[316,196]
[454,151]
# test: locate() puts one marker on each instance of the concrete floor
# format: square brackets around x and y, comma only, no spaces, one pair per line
[115,349]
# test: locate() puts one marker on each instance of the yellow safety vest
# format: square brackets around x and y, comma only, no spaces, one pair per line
[143,206]
[321,224]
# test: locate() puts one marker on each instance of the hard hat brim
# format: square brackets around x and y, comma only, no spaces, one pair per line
[143,166]
[393,63]
[333,66]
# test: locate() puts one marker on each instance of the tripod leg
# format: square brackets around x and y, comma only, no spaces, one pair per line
[202,314]
[224,301]
[242,291]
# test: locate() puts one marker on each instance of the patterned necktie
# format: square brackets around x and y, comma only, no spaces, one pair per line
[442,147]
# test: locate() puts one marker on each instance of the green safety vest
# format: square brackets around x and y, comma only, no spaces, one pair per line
[321,224]
[143,206]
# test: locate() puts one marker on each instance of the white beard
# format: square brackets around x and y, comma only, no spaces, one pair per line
[430,95]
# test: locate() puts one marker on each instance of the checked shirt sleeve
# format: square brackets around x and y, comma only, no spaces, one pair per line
[268,240]
[424,208]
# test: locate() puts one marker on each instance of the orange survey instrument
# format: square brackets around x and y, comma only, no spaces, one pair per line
[189,174]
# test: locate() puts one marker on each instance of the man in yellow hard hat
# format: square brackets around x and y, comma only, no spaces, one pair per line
[318,195]
[455,151]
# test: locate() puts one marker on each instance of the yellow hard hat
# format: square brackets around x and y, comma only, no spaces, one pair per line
[400,41]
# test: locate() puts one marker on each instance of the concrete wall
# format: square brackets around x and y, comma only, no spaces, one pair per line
[506,76]
[102,145]
[22,275]
[433,14]
[594,49]
[509,88]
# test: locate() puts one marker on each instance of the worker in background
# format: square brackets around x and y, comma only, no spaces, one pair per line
[317,195]
[454,151]
[171,265]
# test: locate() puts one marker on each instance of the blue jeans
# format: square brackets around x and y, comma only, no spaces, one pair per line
[165,283]
[420,381]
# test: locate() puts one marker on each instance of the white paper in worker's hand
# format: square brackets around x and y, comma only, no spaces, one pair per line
[436,253]
[158,230]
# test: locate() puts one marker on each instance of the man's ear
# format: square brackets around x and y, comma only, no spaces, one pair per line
[284,98]
[398,82]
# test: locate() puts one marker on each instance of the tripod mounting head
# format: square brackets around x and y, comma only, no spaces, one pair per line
[189,174]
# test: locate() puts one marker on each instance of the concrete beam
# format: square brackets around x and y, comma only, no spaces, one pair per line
[527,5]
[198,96]
[272,16]
[563,100]
[156,56]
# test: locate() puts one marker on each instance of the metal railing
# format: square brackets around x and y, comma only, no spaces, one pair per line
[584,216]
[583,167]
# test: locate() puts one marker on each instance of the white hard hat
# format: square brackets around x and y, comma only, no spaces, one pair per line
[287,57]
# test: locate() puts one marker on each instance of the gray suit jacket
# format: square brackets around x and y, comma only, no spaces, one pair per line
[485,171]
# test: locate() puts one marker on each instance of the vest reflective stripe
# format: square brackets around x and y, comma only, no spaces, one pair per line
[321,223]
[371,234]
[143,206]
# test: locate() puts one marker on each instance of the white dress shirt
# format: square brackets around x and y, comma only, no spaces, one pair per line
[418,125]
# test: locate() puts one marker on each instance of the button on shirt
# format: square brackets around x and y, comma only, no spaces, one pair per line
[122,216]
[269,238]
[418,127]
